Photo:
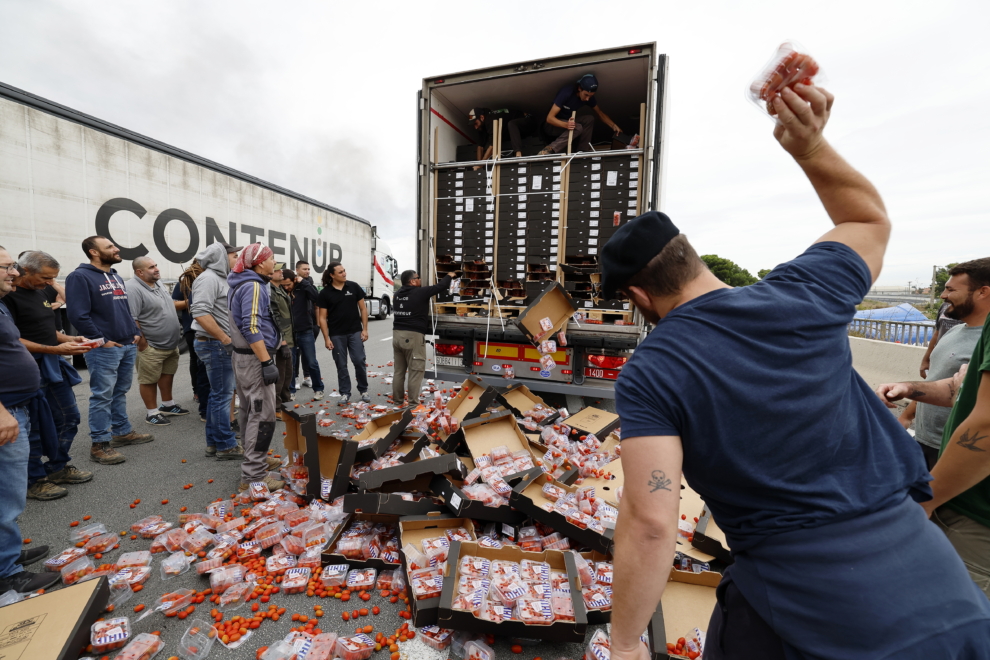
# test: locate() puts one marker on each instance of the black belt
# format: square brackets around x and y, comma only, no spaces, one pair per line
[243,351]
[206,339]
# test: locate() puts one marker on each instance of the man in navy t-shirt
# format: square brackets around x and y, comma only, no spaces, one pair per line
[570,99]
[751,393]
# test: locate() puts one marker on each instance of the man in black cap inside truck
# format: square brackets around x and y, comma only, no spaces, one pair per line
[569,99]
[516,125]
[815,484]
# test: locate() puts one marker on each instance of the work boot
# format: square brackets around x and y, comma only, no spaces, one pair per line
[45,490]
[32,555]
[104,454]
[236,452]
[273,463]
[25,582]
[70,474]
[278,415]
[132,438]
[273,483]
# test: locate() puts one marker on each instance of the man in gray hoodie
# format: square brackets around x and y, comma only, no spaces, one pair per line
[213,346]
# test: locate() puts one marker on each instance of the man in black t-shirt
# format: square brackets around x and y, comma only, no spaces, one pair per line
[30,308]
[343,317]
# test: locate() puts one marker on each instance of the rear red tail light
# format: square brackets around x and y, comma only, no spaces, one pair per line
[449,349]
[635,51]
[607,361]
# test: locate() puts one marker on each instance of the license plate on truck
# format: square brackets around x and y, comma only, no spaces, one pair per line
[595,372]
[449,361]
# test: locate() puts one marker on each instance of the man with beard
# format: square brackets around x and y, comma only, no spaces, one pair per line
[255,337]
[99,309]
[967,300]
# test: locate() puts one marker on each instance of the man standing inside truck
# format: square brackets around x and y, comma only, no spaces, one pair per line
[515,125]
[569,99]
[814,483]
[410,325]
[343,316]
[99,309]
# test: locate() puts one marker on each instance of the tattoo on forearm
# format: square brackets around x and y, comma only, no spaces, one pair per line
[917,394]
[952,392]
[968,440]
[660,481]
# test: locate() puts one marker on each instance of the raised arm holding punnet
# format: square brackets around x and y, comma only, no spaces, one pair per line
[813,481]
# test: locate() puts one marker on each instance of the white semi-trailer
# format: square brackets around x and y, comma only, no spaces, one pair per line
[65,175]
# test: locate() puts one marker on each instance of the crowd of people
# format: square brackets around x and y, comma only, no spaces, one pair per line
[250,325]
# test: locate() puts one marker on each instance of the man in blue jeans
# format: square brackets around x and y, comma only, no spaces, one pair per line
[32,313]
[21,402]
[304,296]
[214,347]
[99,310]
[343,317]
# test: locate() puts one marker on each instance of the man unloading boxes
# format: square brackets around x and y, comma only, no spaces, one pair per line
[751,392]
[571,98]
[410,326]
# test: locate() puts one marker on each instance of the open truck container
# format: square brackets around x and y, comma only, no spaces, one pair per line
[515,225]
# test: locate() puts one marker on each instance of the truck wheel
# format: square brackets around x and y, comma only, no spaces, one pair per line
[383,309]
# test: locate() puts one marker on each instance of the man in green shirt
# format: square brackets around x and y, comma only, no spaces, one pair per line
[961,477]
[281,306]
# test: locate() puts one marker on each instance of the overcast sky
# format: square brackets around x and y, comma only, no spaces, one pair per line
[318,97]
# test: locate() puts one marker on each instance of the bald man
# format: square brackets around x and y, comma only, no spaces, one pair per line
[154,313]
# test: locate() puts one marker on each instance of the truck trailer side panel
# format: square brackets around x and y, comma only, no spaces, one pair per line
[62,180]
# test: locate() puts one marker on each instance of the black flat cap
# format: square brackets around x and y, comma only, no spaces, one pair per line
[632,247]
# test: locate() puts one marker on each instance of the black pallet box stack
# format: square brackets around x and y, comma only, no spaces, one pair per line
[465,231]
[603,194]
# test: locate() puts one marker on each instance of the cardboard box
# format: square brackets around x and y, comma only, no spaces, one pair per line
[385,430]
[559,631]
[390,503]
[323,455]
[518,398]
[472,400]
[593,420]
[331,557]
[402,474]
[413,529]
[687,603]
[553,303]
[459,504]
[527,497]
[54,626]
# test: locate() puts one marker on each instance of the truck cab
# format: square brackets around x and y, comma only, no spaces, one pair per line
[384,277]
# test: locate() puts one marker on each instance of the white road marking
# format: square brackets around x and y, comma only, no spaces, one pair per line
[386,339]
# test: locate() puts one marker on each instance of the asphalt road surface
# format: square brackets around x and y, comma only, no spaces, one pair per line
[158,470]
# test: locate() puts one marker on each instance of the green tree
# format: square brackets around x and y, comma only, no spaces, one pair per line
[941,277]
[764,272]
[728,271]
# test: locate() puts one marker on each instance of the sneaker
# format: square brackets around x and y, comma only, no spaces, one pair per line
[344,400]
[202,418]
[230,454]
[132,438]
[307,382]
[278,415]
[70,474]
[157,419]
[25,582]
[104,454]
[211,452]
[365,397]
[273,463]
[29,556]
[317,396]
[172,410]
[45,490]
